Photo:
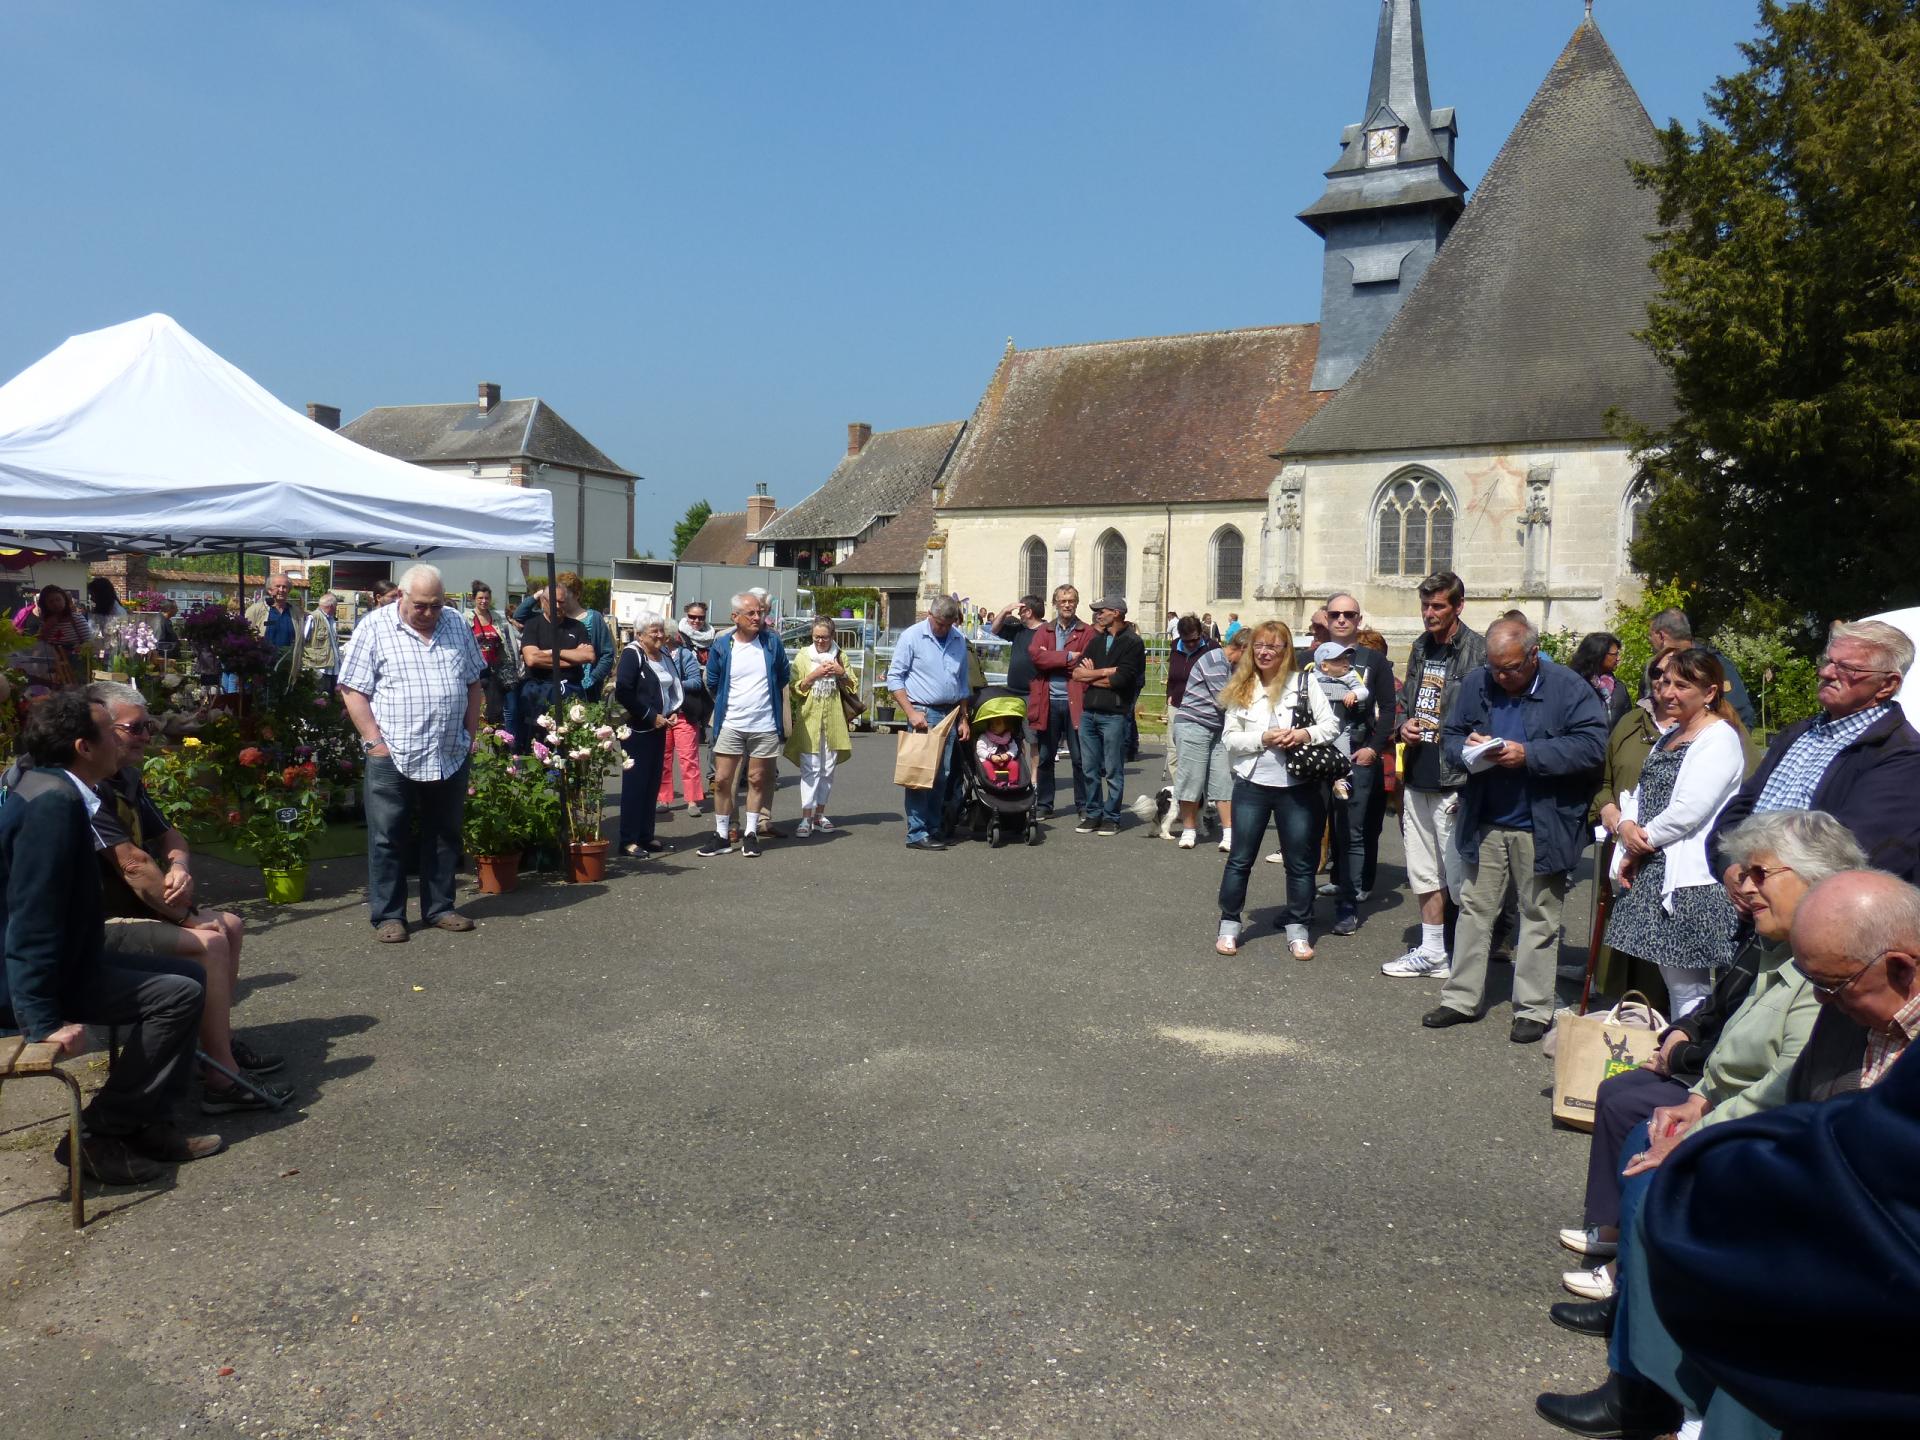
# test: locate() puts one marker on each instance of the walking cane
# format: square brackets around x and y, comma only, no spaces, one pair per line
[1602,906]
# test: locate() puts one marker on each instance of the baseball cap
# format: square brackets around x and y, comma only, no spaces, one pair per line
[1331,650]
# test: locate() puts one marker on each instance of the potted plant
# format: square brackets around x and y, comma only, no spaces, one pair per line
[582,747]
[276,815]
[512,802]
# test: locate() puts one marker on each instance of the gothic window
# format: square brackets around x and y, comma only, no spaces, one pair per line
[1110,561]
[1639,501]
[1414,521]
[1033,567]
[1229,555]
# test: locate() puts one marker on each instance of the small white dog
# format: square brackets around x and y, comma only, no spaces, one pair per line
[1162,815]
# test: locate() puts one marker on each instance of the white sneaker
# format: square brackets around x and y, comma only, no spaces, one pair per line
[1417,964]
[1226,841]
[1594,1284]
[1360,897]
[1588,1242]
[1327,887]
[1188,839]
[803,829]
[1279,857]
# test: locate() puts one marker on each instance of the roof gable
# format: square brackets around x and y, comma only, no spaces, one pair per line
[1522,330]
[722,541]
[527,429]
[896,547]
[1155,421]
[892,470]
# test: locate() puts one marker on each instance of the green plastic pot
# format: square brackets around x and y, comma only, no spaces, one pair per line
[286,887]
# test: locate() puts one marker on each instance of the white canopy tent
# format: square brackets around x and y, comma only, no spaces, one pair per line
[140,438]
[1907,622]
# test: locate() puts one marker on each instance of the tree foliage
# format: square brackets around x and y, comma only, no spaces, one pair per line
[1789,320]
[689,526]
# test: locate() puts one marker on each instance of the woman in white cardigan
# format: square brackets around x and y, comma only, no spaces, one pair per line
[1263,703]
[1674,912]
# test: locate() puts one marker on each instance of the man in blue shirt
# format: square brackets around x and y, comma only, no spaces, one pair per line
[277,618]
[1537,734]
[928,678]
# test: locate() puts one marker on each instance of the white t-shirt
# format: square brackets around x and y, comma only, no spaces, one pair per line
[749,700]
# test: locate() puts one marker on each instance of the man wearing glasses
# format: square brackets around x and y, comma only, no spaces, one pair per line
[1357,820]
[412,689]
[1859,760]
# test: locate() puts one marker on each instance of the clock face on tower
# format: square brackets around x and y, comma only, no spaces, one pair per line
[1383,146]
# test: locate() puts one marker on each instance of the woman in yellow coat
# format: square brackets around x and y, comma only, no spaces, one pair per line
[818,739]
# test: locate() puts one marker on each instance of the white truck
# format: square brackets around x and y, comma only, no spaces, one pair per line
[669,586]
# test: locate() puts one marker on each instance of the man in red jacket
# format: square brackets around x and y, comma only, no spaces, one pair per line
[1053,699]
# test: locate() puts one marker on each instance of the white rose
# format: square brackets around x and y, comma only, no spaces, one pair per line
[577,713]
[546,721]
[623,733]
[627,764]
[602,731]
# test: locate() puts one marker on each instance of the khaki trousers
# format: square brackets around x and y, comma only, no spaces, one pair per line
[1504,855]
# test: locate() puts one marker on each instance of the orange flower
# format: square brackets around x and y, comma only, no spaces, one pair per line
[252,756]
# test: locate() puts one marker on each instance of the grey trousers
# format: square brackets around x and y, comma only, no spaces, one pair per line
[1505,854]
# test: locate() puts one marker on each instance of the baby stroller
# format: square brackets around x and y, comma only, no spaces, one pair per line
[999,813]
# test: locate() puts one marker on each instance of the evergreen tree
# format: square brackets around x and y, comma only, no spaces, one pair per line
[1790,322]
[689,526]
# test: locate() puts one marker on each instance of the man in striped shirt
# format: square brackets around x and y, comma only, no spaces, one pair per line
[411,685]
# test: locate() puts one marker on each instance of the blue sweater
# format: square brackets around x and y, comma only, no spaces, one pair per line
[719,677]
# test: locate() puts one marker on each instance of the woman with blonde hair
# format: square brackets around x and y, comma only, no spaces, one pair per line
[1272,710]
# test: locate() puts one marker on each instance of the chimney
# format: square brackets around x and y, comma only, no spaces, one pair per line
[760,508]
[326,415]
[858,433]
[489,396]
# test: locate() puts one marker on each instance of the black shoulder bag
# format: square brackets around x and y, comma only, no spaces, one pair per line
[1320,762]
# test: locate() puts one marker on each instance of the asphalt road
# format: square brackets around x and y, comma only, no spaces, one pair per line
[849,1140]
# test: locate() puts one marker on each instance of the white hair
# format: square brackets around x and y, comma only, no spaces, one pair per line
[428,573]
[647,619]
[1886,643]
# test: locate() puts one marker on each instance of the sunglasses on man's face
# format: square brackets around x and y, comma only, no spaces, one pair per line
[1343,614]
[137,727]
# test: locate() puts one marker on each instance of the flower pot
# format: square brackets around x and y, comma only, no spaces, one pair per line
[587,861]
[285,887]
[846,612]
[499,873]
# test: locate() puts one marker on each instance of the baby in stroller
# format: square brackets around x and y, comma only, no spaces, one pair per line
[998,751]
[1000,789]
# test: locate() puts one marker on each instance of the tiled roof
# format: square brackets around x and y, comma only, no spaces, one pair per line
[511,430]
[1118,422]
[892,470]
[897,547]
[723,541]
[1522,330]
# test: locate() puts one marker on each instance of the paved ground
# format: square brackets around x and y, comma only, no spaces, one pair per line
[845,1141]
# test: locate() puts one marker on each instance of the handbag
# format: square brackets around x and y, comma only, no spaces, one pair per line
[916,763]
[1314,762]
[851,705]
[1589,1050]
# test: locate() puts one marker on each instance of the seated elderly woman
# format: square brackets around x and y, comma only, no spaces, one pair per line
[1752,1026]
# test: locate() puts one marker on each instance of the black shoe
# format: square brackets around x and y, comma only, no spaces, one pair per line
[928,844]
[713,847]
[1107,827]
[750,846]
[1621,1409]
[1527,1032]
[171,1145]
[1585,1317]
[111,1160]
[252,1061]
[1346,922]
[1045,812]
[1442,1016]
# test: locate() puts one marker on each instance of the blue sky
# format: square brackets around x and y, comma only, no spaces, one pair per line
[711,235]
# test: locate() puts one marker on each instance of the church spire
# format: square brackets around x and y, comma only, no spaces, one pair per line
[1390,200]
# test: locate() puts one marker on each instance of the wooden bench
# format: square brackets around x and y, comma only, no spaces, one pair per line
[19,1059]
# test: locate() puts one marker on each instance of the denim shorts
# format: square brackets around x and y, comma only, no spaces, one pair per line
[1201,771]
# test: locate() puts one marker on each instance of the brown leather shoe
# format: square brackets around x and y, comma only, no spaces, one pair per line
[451,920]
[171,1144]
[111,1160]
[391,932]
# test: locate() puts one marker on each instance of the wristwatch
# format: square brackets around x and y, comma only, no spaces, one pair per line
[367,747]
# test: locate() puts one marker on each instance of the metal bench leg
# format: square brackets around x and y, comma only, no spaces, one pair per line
[73,1148]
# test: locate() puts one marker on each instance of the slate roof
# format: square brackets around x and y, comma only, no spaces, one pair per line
[897,547]
[1117,422]
[511,430]
[892,470]
[723,541]
[1522,329]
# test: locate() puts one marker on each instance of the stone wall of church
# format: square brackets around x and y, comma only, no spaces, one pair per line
[1175,552]
[1539,530]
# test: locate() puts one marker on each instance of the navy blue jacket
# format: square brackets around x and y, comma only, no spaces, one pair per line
[1566,743]
[1872,787]
[637,688]
[50,909]
[1783,1251]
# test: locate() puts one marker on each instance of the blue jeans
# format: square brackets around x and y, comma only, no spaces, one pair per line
[1103,759]
[419,815]
[1299,813]
[1060,727]
[926,809]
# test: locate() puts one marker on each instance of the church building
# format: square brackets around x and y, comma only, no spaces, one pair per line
[1448,411]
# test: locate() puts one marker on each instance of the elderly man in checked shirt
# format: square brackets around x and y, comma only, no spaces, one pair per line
[411,685]
[1859,760]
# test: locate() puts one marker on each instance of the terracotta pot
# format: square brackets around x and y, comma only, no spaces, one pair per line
[587,861]
[286,887]
[498,874]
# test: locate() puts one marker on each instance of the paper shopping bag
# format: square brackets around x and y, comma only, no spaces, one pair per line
[916,764]
[1591,1049]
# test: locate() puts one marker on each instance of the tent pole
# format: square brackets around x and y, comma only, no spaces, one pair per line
[240,579]
[553,659]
